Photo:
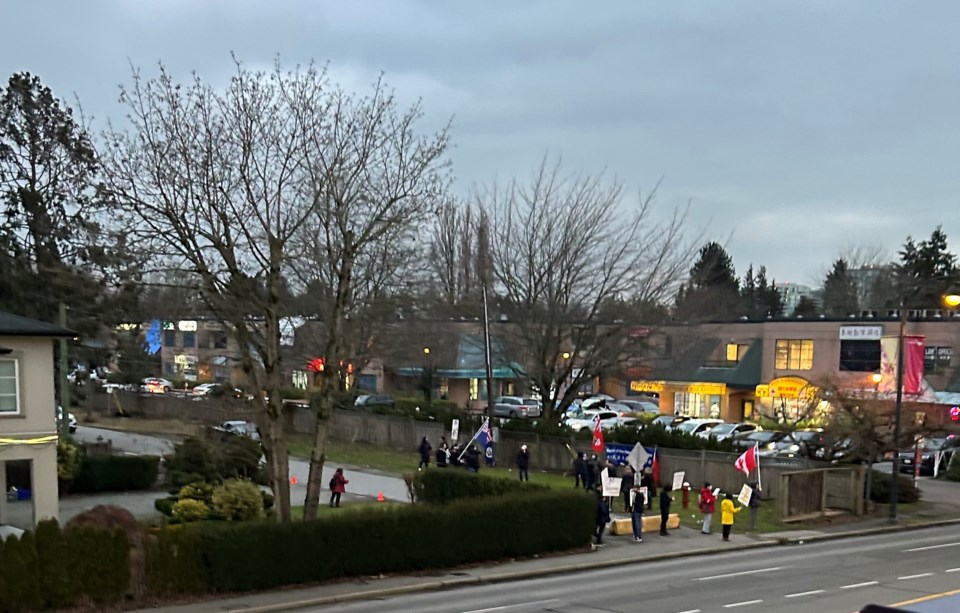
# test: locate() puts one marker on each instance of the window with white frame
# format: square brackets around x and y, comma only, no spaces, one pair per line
[9,386]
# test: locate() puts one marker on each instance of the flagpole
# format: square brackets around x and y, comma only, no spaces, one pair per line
[475,435]
[756,451]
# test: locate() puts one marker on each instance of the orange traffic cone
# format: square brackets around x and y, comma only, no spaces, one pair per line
[380,496]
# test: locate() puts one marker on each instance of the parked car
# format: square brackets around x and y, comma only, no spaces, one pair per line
[669,421]
[697,426]
[608,419]
[71,420]
[516,406]
[765,439]
[935,449]
[156,385]
[641,406]
[802,443]
[240,428]
[724,431]
[373,400]
[216,389]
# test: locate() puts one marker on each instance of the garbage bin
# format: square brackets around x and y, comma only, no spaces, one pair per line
[23,494]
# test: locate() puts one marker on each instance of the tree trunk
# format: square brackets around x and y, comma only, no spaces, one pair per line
[318,457]
[278,462]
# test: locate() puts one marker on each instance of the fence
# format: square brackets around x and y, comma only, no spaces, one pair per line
[810,493]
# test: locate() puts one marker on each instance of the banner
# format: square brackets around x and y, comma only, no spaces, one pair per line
[912,365]
[617,453]
[454,431]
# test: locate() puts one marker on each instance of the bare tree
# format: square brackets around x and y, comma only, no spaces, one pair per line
[561,248]
[375,180]
[451,253]
[218,184]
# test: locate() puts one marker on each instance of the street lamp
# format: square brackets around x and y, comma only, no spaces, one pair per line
[876,378]
[566,354]
[951,300]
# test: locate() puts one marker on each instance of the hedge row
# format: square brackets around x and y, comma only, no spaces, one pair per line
[907,490]
[443,486]
[54,569]
[116,473]
[262,555]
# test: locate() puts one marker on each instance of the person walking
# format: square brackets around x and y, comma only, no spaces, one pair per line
[603,518]
[708,504]
[727,510]
[636,514]
[580,471]
[425,449]
[754,506]
[338,485]
[646,480]
[593,467]
[665,500]
[626,486]
[523,463]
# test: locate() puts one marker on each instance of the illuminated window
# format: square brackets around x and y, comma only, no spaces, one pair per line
[794,354]
[732,355]
[474,389]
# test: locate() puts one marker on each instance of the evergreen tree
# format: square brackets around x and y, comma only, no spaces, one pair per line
[713,291]
[806,308]
[840,291]
[927,270]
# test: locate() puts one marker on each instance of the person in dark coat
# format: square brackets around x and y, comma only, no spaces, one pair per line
[636,515]
[425,449]
[455,456]
[473,459]
[593,471]
[603,518]
[665,501]
[646,480]
[523,463]
[626,484]
[754,506]
[338,485]
[441,457]
[580,471]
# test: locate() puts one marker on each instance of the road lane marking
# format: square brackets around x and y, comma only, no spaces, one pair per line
[926,598]
[952,570]
[856,585]
[512,606]
[941,546]
[746,572]
[907,577]
[690,611]
[745,603]
[799,594]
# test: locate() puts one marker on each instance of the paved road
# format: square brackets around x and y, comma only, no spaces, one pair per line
[842,575]
[362,483]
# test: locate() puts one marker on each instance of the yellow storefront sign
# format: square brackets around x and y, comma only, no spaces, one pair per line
[787,387]
[707,389]
[646,386]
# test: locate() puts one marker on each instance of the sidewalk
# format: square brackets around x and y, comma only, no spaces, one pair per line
[617,550]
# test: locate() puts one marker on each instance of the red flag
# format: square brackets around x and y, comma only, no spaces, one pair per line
[913,365]
[747,462]
[598,444]
[655,468]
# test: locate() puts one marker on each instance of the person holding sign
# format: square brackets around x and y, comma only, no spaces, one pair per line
[727,510]
[707,506]
[639,498]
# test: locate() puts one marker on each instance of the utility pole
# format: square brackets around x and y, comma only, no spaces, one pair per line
[64,425]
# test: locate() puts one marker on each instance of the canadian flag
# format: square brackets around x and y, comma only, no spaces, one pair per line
[598,444]
[747,462]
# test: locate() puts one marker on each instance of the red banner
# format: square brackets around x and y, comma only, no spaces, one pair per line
[913,366]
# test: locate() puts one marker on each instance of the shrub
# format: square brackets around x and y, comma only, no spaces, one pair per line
[173,562]
[880,488]
[213,459]
[165,505]
[58,586]
[543,427]
[116,473]
[953,472]
[237,500]
[196,491]
[68,460]
[262,555]
[101,561]
[438,486]
[188,509]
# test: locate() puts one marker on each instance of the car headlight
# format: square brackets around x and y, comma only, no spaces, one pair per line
[794,447]
[770,446]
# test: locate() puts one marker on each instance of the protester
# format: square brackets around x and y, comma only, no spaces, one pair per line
[707,506]
[626,485]
[727,509]
[425,449]
[665,500]
[442,456]
[338,485]
[636,514]
[593,471]
[455,456]
[473,459]
[603,518]
[754,505]
[523,463]
[646,480]
[580,471]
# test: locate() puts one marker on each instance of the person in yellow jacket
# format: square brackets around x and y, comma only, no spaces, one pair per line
[727,509]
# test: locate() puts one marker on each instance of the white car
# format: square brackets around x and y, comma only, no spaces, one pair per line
[608,419]
[724,431]
[156,385]
[71,420]
[641,406]
[697,426]
[240,428]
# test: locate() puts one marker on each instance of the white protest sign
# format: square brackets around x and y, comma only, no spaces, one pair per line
[611,485]
[638,492]
[716,492]
[678,479]
[454,430]
[744,497]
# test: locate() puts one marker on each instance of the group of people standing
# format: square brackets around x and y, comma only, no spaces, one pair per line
[449,456]
[708,504]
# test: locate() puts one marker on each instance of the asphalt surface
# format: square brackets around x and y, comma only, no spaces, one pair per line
[839,575]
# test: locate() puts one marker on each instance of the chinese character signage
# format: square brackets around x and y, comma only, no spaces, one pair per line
[861,333]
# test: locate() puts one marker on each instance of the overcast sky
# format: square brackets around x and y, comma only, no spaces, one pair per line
[795,129]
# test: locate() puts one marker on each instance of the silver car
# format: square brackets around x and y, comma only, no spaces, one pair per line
[516,406]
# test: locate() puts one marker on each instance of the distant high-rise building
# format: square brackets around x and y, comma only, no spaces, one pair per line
[791,293]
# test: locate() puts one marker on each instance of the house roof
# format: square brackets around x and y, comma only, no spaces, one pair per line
[693,365]
[15,325]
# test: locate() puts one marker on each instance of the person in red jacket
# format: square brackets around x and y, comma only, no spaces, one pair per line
[708,504]
[337,486]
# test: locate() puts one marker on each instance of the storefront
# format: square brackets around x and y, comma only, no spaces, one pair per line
[701,399]
[788,398]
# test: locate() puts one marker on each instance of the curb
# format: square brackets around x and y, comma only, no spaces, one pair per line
[570,568]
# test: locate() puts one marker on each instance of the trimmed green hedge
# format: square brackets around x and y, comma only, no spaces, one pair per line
[63,568]
[262,555]
[880,488]
[116,473]
[445,485]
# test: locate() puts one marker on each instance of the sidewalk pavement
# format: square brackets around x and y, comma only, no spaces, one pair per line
[617,550]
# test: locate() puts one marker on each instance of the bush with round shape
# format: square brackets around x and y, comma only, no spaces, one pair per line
[188,510]
[237,500]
